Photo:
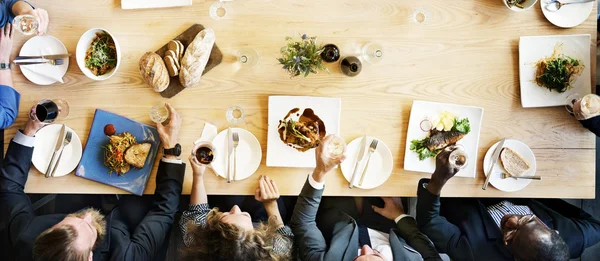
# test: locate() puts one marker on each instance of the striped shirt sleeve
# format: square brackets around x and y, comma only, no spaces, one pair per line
[195,213]
[284,242]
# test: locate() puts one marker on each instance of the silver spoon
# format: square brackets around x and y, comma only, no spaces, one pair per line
[555,5]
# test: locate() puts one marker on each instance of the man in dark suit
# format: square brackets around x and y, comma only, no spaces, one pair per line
[338,232]
[122,234]
[495,229]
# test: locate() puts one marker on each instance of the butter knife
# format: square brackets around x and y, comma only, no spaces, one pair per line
[359,157]
[57,148]
[495,157]
[48,57]
[229,142]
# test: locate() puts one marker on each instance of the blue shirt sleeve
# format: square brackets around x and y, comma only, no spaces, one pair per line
[6,14]
[9,106]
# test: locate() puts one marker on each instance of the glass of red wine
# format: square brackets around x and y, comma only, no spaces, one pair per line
[47,111]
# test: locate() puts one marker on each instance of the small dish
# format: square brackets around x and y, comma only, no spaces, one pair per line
[82,47]
[526,5]
[568,16]
[510,184]
[44,146]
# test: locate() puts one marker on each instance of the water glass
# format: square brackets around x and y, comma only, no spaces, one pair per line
[583,108]
[159,113]
[372,53]
[247,57]
[458,158]
[218,11]
[335,147]
[47,111]
[26,24]
[235,115]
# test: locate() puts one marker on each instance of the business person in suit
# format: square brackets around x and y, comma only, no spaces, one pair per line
[495,229]
[125,233]
[337,232]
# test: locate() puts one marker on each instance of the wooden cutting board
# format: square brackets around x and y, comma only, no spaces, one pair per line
[186,38]
[140,4]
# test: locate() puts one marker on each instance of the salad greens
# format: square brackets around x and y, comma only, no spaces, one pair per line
[555,73]
[419,147]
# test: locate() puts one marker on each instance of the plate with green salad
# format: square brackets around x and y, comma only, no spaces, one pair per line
[434,126]
[553,67]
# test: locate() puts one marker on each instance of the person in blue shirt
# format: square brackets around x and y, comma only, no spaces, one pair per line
[9,97]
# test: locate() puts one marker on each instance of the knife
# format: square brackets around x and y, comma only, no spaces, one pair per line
[495,157]
[229,143]
[57,147]
[359,157]
[48,57]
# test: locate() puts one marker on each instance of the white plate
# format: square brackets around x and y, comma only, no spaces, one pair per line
[45,143]
[44,45]
[281,155]
[534,48]
[569,15]
[380,166]
[249,154]
[510,184]
[431,110]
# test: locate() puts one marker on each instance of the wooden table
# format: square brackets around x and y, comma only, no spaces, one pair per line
[465,53]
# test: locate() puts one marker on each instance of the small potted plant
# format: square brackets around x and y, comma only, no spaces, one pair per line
[302,57]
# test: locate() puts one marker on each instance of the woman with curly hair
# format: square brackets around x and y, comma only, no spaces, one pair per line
[209,234]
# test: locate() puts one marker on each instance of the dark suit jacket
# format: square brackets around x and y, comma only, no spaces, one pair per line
[344,241]
[136,242]
[465,230]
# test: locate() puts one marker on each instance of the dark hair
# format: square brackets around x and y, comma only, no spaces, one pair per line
[58,244]
[222,241]
[552,249]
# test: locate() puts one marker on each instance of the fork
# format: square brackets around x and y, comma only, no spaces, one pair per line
[236,142]
[51,62]
[66,142]
[508,175]
[372,149]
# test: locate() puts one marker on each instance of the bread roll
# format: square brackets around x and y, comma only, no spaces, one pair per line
[513,163]
[154,72]
[196,57]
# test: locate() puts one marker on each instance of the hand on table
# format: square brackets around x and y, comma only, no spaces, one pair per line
[197,169]
[42,18]
[325,163]
[6,43]
[169,133]
[392,209]
[443,172]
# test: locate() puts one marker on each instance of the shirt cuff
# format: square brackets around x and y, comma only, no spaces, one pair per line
[23,139]
[174,161]
[396,220]
[314,184]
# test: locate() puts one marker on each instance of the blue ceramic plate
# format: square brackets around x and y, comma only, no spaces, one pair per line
[92,163]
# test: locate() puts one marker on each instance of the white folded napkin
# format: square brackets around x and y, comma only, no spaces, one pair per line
[50,72]
[208,133]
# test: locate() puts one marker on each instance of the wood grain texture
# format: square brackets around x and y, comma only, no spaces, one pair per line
[464,53]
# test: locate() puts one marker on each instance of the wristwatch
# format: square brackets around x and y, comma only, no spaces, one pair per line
[175,151]
[4,66]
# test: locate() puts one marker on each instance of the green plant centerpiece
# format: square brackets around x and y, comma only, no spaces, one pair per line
[302,57]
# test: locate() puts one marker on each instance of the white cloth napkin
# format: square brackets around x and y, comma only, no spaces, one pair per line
[47,71]
[208,133]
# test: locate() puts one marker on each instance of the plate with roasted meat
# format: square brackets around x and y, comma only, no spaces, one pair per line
[297,125]
[120,152]
[434,126]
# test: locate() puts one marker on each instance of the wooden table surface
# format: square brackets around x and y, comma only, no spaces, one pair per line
[465,53]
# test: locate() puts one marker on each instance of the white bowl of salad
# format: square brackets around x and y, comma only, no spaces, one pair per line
[98,54]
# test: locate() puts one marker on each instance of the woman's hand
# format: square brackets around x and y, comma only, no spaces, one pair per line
[267,191]
[197,169]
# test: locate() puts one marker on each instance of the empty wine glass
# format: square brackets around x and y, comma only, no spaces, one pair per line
[47,111]
[159,113]
[372,53]
[247,57]
[218,11]
[235,115]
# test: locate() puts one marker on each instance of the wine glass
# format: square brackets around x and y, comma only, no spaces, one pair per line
[159,113]
[26,24]
[570,102]
[204,153]
[235,115]
[335,147]
[47,111]
[372,53]
[218,10]
[247,57]
[458,157]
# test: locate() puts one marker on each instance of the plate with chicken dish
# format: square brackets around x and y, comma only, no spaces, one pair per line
[297,125]
[434,126]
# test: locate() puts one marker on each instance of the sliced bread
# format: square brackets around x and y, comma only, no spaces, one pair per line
[513,163]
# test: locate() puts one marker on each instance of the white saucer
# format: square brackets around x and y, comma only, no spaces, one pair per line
[569,15]
[45,143]
[249,154]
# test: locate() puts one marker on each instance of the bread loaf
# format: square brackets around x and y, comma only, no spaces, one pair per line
[154,72]
[513,163]
[196,57]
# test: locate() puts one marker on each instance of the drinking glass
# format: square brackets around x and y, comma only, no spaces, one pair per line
[235,115]
[247,57]
[47,111]
[335,147]
[458,158]
[204,153]
[570,101]
[26,24]
[586,107]
[372,53]
[159,113]
[218,10]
